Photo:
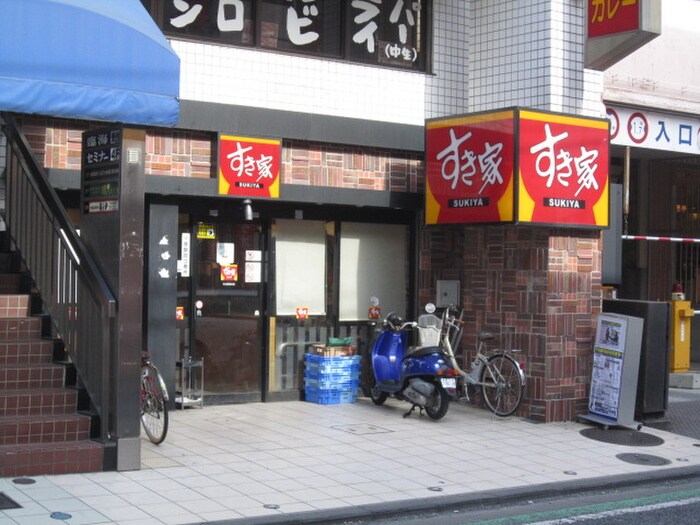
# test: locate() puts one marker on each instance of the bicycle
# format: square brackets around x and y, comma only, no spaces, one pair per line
[497,371]
[154,394]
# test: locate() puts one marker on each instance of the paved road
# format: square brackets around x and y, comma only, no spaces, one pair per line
[683,412]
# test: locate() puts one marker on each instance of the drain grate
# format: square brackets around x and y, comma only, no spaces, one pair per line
[6,502]
[644,459]
[363,429]
[622,436]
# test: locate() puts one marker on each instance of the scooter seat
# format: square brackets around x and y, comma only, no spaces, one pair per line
[423,351]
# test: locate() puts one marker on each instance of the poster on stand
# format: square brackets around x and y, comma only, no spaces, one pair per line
[608,355]
[616,354]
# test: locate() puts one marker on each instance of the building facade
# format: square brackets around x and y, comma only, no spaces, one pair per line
[341,92]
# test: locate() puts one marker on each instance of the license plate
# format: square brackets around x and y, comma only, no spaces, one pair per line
[448,382]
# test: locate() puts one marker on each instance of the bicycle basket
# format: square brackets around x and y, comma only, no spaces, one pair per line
[429,329]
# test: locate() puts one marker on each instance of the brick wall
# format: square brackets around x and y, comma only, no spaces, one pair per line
[536,289]
[57,144]
[348,167]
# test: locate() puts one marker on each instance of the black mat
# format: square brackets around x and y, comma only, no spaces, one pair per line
[7,502]
[622,436]
[643,459]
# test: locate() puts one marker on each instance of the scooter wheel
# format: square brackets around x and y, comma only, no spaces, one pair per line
[377,398]
[438,403]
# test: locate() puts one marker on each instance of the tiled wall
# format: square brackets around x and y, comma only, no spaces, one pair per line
[531,54]
[347,167]
[57,145]
[536,289]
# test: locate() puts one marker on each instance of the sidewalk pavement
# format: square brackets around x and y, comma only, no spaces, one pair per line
[268,462]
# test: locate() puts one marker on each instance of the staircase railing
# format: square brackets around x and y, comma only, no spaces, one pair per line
[75,295]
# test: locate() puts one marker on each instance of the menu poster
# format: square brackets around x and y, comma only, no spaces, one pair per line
[608,356]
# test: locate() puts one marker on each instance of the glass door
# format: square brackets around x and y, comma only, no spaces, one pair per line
[227,295]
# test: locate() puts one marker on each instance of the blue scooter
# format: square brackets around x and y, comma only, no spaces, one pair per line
[420,375]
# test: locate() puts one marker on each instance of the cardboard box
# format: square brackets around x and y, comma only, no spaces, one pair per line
[334,351]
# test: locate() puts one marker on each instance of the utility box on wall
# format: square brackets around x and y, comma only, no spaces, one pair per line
[447,293]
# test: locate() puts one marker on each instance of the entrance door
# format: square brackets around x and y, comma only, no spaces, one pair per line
[227,308]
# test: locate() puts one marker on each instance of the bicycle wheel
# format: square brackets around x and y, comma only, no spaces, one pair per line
[502,385]
[154,411]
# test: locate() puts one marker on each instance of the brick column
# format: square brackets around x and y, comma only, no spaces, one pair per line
[537,289]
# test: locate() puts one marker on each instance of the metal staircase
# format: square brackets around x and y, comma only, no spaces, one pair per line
[57,326]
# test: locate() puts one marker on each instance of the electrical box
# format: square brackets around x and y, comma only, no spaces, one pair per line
[447,294]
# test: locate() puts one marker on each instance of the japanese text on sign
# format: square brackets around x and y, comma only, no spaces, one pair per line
[554,163]
[249,166]
[654,130]
[387,32]
[607,17]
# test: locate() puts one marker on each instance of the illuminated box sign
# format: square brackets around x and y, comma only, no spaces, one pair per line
[470,169]
[517,166]
[608,17]
[249,167]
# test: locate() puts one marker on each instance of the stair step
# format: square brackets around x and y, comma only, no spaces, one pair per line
[43,401]
[14,305]
[44,429]
[14,283]
[20,328]
[22,351]
[35,459]
[28,377]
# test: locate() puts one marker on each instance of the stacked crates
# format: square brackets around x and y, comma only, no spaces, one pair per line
[331,380]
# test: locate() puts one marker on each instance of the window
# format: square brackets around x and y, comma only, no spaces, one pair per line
[300,266]
[373,263]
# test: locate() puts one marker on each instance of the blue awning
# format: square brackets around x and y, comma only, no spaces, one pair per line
[92,59]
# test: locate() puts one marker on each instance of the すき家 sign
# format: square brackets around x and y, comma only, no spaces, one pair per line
[518,166]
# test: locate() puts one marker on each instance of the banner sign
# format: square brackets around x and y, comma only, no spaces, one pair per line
[249,167]
[642,128]
[517,166]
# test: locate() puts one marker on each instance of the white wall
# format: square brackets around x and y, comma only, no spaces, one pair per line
[665,73]
[488,54]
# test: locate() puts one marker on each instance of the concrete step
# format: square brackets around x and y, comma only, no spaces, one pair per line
[690,380]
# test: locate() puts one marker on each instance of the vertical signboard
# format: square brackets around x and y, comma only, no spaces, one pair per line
[608,17]
[518,166]
[616,355]
[101,170]
[249,167]
[616,28]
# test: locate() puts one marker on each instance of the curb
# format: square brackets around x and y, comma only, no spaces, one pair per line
[462,501]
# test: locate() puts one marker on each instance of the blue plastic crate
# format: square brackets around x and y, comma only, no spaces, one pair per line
[332,365]
[333,377]
[324,383]
[330,396]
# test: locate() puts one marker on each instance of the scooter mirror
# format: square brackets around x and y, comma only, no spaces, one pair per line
[430,308]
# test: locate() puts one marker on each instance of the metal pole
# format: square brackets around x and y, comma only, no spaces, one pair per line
[626,192]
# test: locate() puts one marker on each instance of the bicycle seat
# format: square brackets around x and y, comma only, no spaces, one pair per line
[485,336]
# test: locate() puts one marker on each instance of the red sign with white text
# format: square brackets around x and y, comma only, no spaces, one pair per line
[470,163]
[564,169]
[609,17]
[517,166]
[249,167]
